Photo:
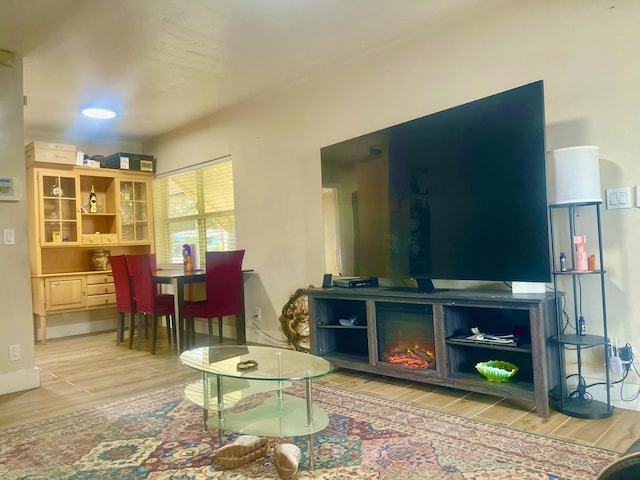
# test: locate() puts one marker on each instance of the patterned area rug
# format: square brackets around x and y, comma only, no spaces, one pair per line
[159,436]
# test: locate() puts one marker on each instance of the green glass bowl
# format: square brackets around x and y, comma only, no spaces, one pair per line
[497,370]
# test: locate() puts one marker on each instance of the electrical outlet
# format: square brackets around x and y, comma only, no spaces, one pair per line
[14,353]
[257,314]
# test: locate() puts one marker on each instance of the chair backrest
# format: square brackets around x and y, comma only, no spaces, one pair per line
[224,281]
[143,285]
[122,282]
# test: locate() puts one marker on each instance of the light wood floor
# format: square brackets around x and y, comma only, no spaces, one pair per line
[82,372]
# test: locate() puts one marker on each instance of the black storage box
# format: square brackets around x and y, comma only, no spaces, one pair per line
[130,161]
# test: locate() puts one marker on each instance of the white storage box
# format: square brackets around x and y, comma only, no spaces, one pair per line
[47,152]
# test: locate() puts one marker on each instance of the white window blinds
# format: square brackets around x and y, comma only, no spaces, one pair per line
[194,207]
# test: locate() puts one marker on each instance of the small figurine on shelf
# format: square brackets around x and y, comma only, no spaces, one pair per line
[582,262]
[93,201]
[186,258]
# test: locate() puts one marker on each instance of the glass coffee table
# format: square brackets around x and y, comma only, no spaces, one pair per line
[241,371]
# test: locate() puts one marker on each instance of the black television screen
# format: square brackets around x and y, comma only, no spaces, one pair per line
[459,194]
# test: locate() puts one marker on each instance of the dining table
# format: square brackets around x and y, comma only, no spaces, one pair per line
[178,278]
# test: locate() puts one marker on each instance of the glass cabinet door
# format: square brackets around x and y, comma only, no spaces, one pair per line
[134,211]
[59,214]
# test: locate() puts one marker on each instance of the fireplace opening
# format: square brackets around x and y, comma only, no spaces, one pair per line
[405,335]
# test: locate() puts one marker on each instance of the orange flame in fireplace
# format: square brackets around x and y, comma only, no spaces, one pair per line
[413,357]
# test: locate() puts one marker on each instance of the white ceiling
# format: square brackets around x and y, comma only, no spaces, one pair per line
[165,63]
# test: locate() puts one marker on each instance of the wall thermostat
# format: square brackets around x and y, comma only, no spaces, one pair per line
[9,189]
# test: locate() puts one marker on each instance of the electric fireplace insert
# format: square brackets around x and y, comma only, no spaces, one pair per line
[405,335]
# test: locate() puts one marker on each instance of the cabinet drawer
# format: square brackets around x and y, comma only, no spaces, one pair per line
[64,293]
[109,238]
[99,239]
[99,278]
[97,300]
[101,289]
[90,239]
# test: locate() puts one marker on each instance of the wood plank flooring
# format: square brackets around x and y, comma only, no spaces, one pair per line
[87,371]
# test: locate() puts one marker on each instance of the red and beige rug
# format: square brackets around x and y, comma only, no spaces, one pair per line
[159,436]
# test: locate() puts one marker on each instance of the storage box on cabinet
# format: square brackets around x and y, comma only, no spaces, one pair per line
[50,153]
[130,161]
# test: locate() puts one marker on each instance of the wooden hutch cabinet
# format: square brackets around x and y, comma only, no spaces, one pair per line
[63,232]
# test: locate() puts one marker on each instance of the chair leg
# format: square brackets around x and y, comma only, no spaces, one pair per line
[210,331]
[142,317]
[175,329]
[186,338]
[220,329]
[167,319]
[120,328]
[132,328]
[154,333]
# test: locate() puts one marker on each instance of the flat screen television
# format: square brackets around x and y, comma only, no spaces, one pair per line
[455,195]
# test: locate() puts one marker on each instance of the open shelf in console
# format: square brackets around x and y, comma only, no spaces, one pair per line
[342,330]
[463,359]
[460,320]
[465,350]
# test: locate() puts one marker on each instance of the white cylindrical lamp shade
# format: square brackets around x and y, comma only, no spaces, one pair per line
[574,175]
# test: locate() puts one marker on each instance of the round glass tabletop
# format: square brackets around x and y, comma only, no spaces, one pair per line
[256,362]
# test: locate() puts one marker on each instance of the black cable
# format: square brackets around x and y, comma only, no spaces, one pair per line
[631,365]
[624,376]
[257,327]
[581,390]
[621,381]
[580,295]
[565,315]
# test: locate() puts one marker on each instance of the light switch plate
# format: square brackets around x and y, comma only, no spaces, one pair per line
[618,198]
[9,236]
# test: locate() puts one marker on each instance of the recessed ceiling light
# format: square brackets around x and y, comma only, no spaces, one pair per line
[98,113]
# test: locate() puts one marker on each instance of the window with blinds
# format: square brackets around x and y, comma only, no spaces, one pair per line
[194,207]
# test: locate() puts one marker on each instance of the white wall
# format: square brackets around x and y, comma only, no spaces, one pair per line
[584,51]
[16,324]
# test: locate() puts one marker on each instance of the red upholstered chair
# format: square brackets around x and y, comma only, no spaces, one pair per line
[154,263]
[149,303]
[224,293]
[125,303]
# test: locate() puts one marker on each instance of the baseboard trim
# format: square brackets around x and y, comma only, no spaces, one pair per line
[19,380]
